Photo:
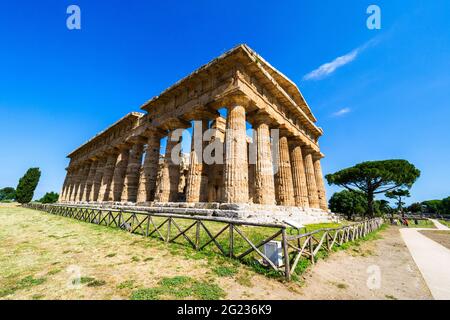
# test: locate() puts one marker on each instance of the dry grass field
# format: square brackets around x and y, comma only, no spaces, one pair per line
[44,256]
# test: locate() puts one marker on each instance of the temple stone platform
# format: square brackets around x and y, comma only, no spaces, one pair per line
[245,212]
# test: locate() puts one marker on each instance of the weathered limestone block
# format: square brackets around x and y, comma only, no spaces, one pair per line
[96,183]
[283,179]
[170,174]
[147,180]
[120,170]
[264,177]
[235,174]
[108,171]
[320,185]
[89,182]
[131,183]
[197,179]
[311,180]
[299,177]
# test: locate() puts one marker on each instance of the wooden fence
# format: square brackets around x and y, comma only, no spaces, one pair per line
[226,236]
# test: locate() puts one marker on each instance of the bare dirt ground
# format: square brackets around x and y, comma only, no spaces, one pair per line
[42,254]
[349,274]
[441,237]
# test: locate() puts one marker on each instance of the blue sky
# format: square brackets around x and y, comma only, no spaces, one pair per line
[388,96]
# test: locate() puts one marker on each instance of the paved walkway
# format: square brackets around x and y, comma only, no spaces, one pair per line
[439,225]
[432,259]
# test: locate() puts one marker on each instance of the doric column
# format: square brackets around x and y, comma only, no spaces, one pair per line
[298,176]
[83,181]
[108,171]
[131,182]
[311,180]
[89,182]
[120,170]
[73,185]
[77,185]
[65,187]
[147,180]
[283,179]
[264,178]
[170,174]
[96,183]
[197,180]
[320,185]
[235,169]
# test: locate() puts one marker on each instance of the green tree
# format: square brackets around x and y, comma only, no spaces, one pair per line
[415,207]
[349,203]
[49,197]
[445,205]
[7,193]
[375,177]
[27,185]
[382,207]
[432,206]
[398,195]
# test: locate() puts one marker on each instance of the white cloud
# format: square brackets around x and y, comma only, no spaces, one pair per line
[341,112]
[329,67]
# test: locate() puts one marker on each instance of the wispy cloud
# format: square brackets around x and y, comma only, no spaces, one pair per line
[329,67]
[341,112]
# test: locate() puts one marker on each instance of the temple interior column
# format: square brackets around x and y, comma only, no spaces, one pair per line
[235,187]
[320,185]
[197,180]
[120,170]
[89,181]
[148,177]
[264,177]
[131,182]
[169,175]
[96,183]
[298,176]
[284,188]
[108,171]
[311,180]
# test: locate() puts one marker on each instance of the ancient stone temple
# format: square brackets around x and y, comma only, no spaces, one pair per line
[219,102]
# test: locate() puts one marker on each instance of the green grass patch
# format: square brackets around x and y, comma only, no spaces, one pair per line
[180,287]
[96,283]
[224,271]
[23,283]
[420,224]
[129,284]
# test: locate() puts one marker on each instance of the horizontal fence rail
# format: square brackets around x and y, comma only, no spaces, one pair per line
[226,236]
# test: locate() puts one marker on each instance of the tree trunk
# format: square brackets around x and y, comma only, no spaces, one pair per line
[370,203]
